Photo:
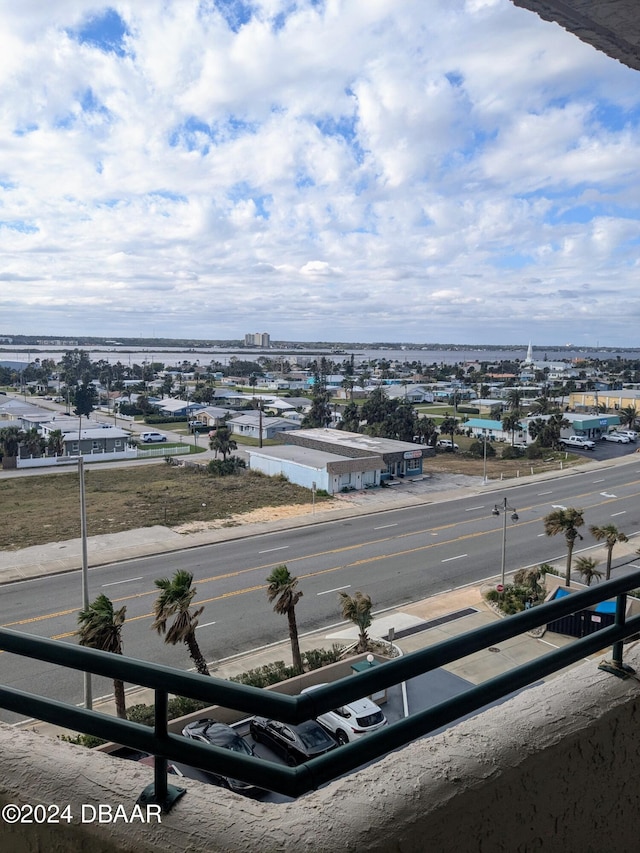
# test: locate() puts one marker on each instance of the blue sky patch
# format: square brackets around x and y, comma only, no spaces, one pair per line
[106,31]
[235,12]
[25,129]
[22,226]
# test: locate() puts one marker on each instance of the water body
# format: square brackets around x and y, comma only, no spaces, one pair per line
[170,356]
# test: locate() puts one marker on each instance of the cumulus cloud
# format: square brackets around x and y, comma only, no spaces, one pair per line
[357,170]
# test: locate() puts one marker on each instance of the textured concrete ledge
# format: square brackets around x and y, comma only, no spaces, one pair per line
[556,768]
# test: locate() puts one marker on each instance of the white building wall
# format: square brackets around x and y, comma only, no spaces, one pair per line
[301,475]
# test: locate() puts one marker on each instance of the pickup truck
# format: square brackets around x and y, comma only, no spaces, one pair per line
[579,442]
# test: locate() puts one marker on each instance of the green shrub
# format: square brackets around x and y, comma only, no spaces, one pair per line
[263,676]
[272,673]
[533,451]
[510,452]
[90,741]
[225,467]
[180,706]
[141,713]
[477,449]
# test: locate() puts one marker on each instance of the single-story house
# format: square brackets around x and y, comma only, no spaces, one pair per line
[412,393]
[249,425]
[213,416]
[317,468]
[401,458]
[92,441]
[280,405]
[493,430]
[177,408]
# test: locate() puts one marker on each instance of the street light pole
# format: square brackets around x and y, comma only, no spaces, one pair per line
[484,457]
[514,517]
[88,699]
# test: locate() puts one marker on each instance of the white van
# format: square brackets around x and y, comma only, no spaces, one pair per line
[152,437]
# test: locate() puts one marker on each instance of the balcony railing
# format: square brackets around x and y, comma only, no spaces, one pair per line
[295,709]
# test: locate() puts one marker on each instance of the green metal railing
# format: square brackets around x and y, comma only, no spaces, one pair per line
[295,709]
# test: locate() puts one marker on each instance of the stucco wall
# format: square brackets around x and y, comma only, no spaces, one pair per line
[557,768]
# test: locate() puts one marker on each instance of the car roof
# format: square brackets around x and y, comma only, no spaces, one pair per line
[358,706]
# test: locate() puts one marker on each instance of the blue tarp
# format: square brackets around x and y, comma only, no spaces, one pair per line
[603,607]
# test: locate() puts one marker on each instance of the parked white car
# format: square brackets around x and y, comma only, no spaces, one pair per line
[351,721]
[447,444]
[152,437]
[616,436]
[631,434]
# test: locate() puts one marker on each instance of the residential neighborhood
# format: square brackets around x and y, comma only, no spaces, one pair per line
[338,423]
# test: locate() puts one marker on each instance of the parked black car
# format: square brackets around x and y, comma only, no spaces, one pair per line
[219,734]
[294,743]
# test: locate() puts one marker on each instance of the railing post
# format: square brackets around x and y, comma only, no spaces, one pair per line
[615,666]
[160,792]
[621,607]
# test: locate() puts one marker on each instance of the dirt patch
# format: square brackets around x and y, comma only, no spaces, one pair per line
[272,513]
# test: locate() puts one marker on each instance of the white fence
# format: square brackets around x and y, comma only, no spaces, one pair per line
[95,456]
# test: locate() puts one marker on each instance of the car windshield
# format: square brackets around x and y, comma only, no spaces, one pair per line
[312,735]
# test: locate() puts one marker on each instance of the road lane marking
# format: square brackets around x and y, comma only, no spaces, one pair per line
[471,508]
[449,559]
[129,580]
[598,481]
[607,495]
[384,526]
[544,493]
[269,550]
[337,589]
[623,512]
[205,625]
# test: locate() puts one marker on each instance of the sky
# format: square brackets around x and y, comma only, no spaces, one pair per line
[424,171]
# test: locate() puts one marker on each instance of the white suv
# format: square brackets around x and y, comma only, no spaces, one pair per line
[631,434]
[151,437]
[351,721]
[447,444]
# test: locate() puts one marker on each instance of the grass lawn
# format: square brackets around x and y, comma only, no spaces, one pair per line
[39,509]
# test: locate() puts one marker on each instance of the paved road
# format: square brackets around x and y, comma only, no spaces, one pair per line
[396,556]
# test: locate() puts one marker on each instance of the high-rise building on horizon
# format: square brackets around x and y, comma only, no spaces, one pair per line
[257,339]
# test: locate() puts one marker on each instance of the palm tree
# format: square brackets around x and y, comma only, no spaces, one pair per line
[174,600]
[283,587]
[610,534]
[629,416]
[357,609]
[514,400]
[587,568]
[566,521]
[100,627]
[510,423]
[11,438]
[55,443]
[448,427]
[221,442]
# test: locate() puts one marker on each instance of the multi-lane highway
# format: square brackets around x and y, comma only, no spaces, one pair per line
[395,556]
